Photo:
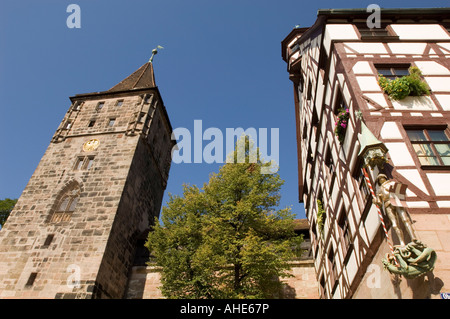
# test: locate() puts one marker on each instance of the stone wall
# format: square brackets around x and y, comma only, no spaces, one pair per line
[377,283]
[144,282]
[88,253]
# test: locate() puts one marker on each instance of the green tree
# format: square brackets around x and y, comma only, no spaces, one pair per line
[6,206]
[226,240]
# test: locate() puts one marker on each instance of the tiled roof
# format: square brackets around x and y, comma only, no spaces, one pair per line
[301,224]
[140,79]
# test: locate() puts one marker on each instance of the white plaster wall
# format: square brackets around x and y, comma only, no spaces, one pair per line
[400,154]
[424,103]
[432,68]
[418,204]
[414,177]
[390,131]
[444,101]
[372,222]
[420,31]
[407,48]
[443,203]
[347,96]
[352,266]
[362,232]
[368,83]
[348,138]
[366,48]
[362,67]
[440,183]
[338,31]
[445,47]
[438,83]
[377,98]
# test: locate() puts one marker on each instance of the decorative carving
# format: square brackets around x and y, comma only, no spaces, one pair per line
[414,260]
[375,157]
[91,145]
[409,260]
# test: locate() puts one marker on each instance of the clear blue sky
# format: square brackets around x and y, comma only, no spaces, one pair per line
[221,64]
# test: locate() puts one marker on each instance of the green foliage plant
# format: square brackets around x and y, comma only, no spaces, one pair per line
[227,239]
[320,216]
[6,206]
[408,85]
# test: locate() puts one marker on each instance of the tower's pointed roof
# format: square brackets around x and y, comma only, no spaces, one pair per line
[140,79]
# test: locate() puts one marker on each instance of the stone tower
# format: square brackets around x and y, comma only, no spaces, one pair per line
[85,213]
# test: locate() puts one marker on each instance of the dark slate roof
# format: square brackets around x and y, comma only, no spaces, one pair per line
[142,78]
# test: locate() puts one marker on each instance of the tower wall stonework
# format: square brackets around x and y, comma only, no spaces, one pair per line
[145,282]
[87,251]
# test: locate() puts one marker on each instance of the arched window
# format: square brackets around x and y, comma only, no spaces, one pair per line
[66,205]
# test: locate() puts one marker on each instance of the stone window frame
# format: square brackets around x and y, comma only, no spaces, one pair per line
[68,125]
[84,162]
[100,105]
[111,122]
[31,279]
[65,203]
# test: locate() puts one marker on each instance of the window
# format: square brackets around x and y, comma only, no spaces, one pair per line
[111,122]
[141,117]
[323,286]
[368,33]
[84,163]
[31,279]
[79,163]
[393,71]
[66,205]
[119,103]
[77,105]
[332,260]
[364,190]
[100,105]
[67,125]
[339,104]
[331,168]
[432,146]
[344,230]
[373,32]
[90,161]
[48,240]
[309,91]
[329,161]
[91,123]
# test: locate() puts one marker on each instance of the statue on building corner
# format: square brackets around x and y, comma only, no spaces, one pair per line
[411,259]
[415,259]
[396,214]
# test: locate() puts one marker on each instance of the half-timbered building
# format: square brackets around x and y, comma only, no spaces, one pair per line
[335,66]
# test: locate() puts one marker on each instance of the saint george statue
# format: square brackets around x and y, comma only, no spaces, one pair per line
[396,214]
[414,258]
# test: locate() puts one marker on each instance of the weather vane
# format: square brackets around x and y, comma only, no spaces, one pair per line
[155,51]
